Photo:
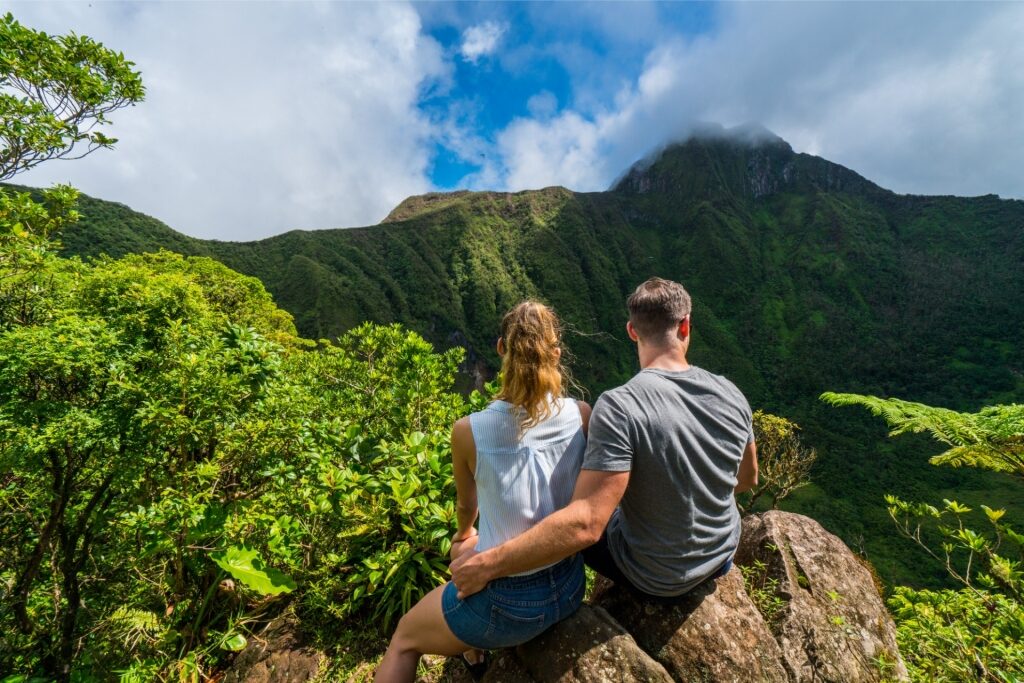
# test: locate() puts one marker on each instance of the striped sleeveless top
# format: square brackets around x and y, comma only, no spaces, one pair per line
[521,479]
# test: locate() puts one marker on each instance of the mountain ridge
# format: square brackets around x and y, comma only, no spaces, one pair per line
[805,276]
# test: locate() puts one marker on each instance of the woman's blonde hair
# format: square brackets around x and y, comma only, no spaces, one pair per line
[531,366]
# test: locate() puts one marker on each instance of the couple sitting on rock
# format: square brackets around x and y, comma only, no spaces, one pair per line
[642,490]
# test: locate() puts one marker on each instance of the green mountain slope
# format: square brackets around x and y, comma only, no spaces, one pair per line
[806,277]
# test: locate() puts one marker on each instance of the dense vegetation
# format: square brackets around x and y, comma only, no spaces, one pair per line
[175,460]
[806,278]
[974,633]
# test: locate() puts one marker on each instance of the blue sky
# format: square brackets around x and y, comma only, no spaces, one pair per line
[540,59]
[261,117]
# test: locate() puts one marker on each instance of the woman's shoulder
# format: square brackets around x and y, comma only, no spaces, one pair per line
[462,428]
[584,408]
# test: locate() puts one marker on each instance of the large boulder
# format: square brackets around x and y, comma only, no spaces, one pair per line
[714,634]
[832,624]
[825,622]
[589,646]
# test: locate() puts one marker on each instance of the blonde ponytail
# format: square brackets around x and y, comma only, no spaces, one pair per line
[531,366]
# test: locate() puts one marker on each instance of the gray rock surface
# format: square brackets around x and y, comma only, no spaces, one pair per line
[834,625]
[714,634]
[589,646]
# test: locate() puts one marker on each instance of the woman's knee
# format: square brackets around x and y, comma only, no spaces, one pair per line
[404,638]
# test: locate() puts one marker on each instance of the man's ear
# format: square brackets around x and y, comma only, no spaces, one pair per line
[501,346]
[684,328]
[631,331]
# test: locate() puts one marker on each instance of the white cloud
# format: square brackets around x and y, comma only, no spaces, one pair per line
[542,105]
[481,40]
[923,99]
[259,117]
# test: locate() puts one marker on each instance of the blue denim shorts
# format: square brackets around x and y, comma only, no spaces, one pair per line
[514,609]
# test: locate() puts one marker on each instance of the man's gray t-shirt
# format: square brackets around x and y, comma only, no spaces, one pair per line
[681,436]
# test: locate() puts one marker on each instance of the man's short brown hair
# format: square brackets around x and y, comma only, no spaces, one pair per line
[656,307]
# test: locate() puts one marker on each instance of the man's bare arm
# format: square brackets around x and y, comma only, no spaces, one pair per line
[557,536]
[746,478]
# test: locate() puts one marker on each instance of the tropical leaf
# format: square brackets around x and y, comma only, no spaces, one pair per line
[245,565]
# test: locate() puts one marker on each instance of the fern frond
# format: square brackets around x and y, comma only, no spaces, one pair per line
[981,457]
[992,438]
[134,625]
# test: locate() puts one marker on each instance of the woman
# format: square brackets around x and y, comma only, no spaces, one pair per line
[517,461]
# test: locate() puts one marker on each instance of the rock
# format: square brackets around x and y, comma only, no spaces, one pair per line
[589,646]
[833,625]
[826,622]
[278,655]
[715,633]
[505,667]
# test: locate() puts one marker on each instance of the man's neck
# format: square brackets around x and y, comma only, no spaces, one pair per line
[671,359]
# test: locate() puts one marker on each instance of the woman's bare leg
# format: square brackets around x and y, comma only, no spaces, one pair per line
[421,631]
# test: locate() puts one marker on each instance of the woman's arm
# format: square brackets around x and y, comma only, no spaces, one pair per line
[464,465]
[584,414]
[746,478]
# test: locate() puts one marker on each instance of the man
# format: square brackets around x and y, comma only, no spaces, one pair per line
[654,505]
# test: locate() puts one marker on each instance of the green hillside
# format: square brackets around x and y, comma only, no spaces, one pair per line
[806,277]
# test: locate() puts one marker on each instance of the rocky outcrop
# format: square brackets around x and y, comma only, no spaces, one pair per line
[834,625]
[714,634]
[812,614]
[588,646]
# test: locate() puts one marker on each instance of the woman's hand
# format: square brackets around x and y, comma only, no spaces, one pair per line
[463,542]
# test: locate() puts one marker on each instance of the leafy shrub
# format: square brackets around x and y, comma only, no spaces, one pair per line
[959,635]
[763,591]
[784,462]
[173,475]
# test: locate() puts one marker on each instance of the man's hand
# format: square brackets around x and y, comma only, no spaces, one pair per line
[470,572]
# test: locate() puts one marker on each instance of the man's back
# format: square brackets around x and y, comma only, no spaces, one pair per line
[681,435]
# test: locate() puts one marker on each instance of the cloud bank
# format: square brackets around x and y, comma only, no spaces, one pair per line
[263,117]
[920,98]
[260,117]
[481,40]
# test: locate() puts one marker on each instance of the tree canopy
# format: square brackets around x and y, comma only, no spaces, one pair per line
[56,93]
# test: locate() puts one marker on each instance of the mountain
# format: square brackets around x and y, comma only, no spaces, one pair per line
[806,277]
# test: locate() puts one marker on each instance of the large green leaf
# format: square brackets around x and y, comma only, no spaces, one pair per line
[245,565]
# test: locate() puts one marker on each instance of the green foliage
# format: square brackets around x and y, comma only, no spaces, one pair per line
[952,636]
[245,565]
[764,592]
[970,557]
[148,434]
[974,633]
[784,462]
[991,439]
[26,254]
[55,93]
